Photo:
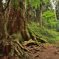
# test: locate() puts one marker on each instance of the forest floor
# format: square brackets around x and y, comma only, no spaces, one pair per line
[44,51]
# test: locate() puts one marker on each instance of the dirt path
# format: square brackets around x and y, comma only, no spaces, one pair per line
[45,51]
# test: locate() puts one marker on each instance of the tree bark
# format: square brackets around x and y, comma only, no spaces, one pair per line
[37,15]
[4,49]
[28,13]
[55,14]
[40,15]
[3,30]
[17,20]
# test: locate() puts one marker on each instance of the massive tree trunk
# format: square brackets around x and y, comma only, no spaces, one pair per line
[6,48]
[3,31]
[17,19]
[21,20]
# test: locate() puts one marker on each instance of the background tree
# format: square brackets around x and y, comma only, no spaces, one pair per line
[57,10]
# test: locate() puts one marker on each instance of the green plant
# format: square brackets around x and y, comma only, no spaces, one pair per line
[57,47]
[49,19]
[38,43]
[57,38]
[1,55]
[46,34]
[21,40]
[24,55]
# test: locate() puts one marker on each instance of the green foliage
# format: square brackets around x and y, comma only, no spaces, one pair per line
[46,1]
[48,14]
[24,55]
[57,25]
[15,5]
[38,43]
[50,39]
[1,55]
[35,3]
[57,38]
[49,18]
[46,34]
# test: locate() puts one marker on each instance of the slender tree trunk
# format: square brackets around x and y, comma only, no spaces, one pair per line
[29,13]
[55,14]
[29,16]
[37,15]
[40,15]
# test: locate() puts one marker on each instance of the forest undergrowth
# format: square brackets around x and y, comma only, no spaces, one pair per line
[44,33]
[45,40]
[38,38]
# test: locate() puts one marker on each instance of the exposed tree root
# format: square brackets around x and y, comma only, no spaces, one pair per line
[31,42]
[20,45]
[32,35]
[37,37]
[18,49]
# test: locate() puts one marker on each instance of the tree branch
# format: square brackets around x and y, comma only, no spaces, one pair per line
[7,5]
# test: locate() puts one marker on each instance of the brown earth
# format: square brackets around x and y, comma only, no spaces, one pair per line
[44,51]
